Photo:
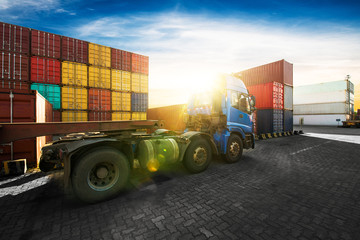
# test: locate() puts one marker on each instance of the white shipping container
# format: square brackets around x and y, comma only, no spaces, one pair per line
[288,97]
[326,119]
[324,87]
[322,108]
[323,97]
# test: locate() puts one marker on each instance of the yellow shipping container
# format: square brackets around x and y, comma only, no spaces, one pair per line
[119,116]
[121,101]
[144,83]
[138,116]
[74,74]
[99,77]
[357,97]
[75,98]
[99,55]
[74,116]
[135,82]
[120,80]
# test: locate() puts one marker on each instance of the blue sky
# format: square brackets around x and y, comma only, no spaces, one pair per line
[189,42]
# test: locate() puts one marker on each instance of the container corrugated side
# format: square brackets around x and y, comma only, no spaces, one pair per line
[288,121]
[74,98]
[144,65]
[50,92]
[74,116]
[322,108]
[45,44]
[135,63]
[135,82]
[14,86]
[74,74]
[144,83]
[99,116]
[120,80]
[139,102]
[14,38]
[74,50]
[325,87]
[321,119]
[288,97]
[99,55]
[138,116]
[121,101]
[269,121]
[120,59]
[121,116]
[173,116]
[45,70]
[323,97]
[99,77]
[14,67]
[99,99]
[268,95]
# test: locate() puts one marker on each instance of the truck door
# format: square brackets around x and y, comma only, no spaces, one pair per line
[239,111]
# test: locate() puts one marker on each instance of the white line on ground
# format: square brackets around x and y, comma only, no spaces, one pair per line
[336,137]
[309,148]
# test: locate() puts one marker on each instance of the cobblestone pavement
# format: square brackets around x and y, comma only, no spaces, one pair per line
[294,187]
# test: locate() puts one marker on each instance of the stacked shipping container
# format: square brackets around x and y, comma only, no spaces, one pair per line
[272,86]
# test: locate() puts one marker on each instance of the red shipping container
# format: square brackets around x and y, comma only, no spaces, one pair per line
[45,70]
[99,116]
[135,63]
[45,44]
[14,66]
[280,71]
[14,38]
[26,108]
[99,99]
[15,86]
[144,64]
[268,95]
[74,50]
[120,60]
[56,116]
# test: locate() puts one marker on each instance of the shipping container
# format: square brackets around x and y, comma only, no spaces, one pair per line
[74,116]
[144,83]
[326,87]
[74,50]
[120,80]
[121,101]
[280,71]
[99,116]
[135,82]
[45,44]
[269,121]
[138,116]
[323,97]
[135,63]
[45,70]
[288,97]
[268,95]
[99,99]
[25,108]
[120,60]
[173,116]
[288,121]
[321,119]
[144,65]
[74,98]
[121,116]
[50,92]
[14,86]
[139,102]
[14,66]
[99,77]
[14,38]
[357,97]
[56,116]
[74,74]
[99,55]
[322,108]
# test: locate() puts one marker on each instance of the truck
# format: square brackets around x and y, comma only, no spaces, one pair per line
[97,165]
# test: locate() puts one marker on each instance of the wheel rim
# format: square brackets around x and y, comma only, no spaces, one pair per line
[200,156]
[234,149]
[103,176]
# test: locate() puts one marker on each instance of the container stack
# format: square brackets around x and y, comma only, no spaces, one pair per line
[272,86]
[357,98]
[324,103]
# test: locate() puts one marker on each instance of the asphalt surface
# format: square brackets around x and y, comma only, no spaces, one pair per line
[297,187]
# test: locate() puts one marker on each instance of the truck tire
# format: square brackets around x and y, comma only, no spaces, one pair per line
[197,156]
[234,149]
[46,167]
[100,174]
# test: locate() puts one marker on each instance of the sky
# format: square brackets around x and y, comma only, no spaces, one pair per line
[190,42]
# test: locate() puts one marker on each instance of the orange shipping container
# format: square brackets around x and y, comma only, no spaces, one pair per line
[173,116]
[99,99]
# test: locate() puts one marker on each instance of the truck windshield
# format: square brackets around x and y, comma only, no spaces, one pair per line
[206,102]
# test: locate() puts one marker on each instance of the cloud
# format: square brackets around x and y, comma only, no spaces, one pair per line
[186,51]
[39,5]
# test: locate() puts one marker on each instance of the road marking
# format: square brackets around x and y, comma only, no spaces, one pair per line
[309,148]
[336,137]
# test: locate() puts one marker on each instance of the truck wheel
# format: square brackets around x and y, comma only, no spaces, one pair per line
[197,156]
[234,149]
[100,174]
[45,166]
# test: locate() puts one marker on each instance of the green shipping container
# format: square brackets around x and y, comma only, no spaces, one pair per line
[50,92]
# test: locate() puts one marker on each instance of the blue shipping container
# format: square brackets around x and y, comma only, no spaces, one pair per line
[50,92]
[269,121]
[139,102]
[288,121]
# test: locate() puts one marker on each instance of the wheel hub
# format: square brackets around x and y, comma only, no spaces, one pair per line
[102,176]
[102,172]
[200,155]
[234,149]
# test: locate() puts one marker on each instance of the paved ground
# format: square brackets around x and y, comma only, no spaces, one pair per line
[294,187]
